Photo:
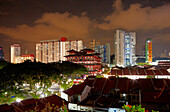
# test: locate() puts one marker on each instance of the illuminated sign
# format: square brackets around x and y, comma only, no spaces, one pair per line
[148,48]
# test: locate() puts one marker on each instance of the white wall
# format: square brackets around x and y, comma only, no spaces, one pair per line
[85,93]
[64,96]
[72,106]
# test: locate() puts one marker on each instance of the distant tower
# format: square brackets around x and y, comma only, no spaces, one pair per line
[1,54]
[94,43]
[125,48]
[143,50]
[15,53]
[163,54]
[148,50]
[104,51]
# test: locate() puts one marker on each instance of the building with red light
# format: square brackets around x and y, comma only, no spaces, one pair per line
[1,54]
[54,50]
[86,57]
[15,53]
[27,57]
[148,50]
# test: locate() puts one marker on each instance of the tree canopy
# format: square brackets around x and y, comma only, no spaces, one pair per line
[34,78]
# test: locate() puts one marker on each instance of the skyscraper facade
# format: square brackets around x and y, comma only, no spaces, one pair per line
[55,50]
[125,48]
[1,54]
[104,51]
[15,53]
[148,50]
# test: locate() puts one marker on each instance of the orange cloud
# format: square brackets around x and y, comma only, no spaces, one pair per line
[52,26]
[137,18]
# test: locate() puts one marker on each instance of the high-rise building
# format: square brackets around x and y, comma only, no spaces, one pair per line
[104,51]
[1,54]
[148,50]
[94,43]
[15,53]
[55,50]
[125,48]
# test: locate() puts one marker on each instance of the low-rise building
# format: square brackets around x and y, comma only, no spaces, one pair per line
[105,94]
[25,57]
[138,72]
[52,102]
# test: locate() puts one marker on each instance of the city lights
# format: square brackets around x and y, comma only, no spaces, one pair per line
[85,55]
[18,100]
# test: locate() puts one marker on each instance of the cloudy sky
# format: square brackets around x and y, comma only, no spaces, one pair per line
[29,21]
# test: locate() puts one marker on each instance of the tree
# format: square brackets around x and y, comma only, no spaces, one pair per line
[35,78]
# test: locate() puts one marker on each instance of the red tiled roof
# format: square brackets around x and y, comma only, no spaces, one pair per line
[133,84]
[54,99]
[150,96]
[149,72]
[134,72]
[121,84]
[158,83]
[119,72]
[146,84]
[167,81]
[110,84]
[102,101]
[78,89]
[139,71]
[98,85]
[164,72]
[69,92]
[113,72]
[126,72]
[29,104]
[90,80]
[157,72]
[6,108]
[75,89]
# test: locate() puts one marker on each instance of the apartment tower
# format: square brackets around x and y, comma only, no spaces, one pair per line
[54,50]
[15,53]
[125,48]
[104,51]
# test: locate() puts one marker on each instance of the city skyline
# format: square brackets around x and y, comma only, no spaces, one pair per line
[28,22]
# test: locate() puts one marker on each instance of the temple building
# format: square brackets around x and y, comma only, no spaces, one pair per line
[86,57]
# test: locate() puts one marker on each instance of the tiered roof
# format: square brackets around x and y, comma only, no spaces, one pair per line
[83,52]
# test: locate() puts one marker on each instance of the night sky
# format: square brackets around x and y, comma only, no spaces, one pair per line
[29,21]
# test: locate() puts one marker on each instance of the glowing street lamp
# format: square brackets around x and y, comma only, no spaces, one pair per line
[18,100]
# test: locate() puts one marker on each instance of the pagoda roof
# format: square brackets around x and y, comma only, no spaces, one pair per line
[72,51]
[87,50]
